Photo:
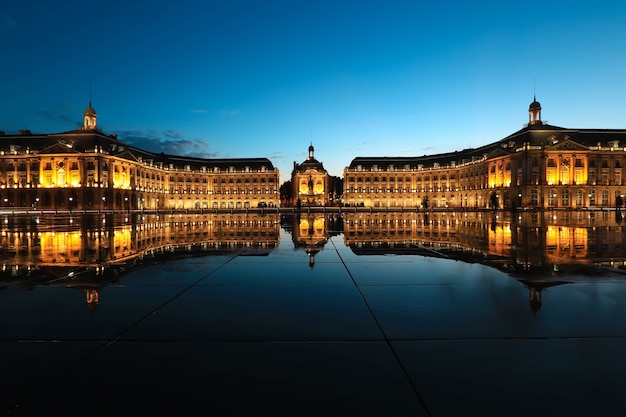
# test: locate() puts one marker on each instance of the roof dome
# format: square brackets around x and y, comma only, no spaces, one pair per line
[534,105]
[90,110]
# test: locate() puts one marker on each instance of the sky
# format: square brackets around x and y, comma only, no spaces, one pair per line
[247,79]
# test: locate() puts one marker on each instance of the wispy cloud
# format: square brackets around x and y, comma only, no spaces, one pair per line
[228,113]
[197,111]
[56,116]
[170,141]
[276,156]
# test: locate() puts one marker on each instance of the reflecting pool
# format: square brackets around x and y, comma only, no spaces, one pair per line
[369,313]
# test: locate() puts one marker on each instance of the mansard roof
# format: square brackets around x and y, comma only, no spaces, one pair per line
[546,136]
[79,141]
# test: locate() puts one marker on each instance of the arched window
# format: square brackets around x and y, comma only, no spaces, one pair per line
[564,178]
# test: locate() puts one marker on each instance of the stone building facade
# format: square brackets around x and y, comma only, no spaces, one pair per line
[540,166]
[88,169]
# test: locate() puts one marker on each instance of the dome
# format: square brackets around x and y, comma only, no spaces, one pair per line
[534,105]
[90,111]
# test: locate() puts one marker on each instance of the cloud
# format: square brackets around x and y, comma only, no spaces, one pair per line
[197,111]
[228,113]
[170,141]
[56,116]
[276,156]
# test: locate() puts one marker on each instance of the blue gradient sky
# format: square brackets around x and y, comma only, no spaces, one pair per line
[357,78]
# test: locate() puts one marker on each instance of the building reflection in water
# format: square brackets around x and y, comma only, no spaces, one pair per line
[311,231]
[540,249]
[87,252]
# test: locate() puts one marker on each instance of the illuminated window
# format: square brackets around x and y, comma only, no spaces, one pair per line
[578,176]
[565,197]
[552,197]
[564,175]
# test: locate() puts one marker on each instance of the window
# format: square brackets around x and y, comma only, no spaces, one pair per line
[552,197]
[534,177]
[565,197]
[578,176]
[564,175]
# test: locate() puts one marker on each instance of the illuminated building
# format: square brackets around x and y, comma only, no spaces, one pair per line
[88,169]
[310,184]
[540,166]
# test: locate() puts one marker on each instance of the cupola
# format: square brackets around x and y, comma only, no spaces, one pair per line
[534,113]
[89,119]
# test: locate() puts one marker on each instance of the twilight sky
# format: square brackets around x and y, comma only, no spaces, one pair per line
[266,78]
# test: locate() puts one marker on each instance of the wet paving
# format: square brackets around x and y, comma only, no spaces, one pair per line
[334,333]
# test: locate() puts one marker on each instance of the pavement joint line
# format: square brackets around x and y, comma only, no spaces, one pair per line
[109,342]
[386,339]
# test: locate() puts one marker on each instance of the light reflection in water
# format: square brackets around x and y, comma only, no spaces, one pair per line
[86,252]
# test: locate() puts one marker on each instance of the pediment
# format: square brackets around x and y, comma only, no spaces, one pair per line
[128,155]
[567,145]
[59,148]
[496,153]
